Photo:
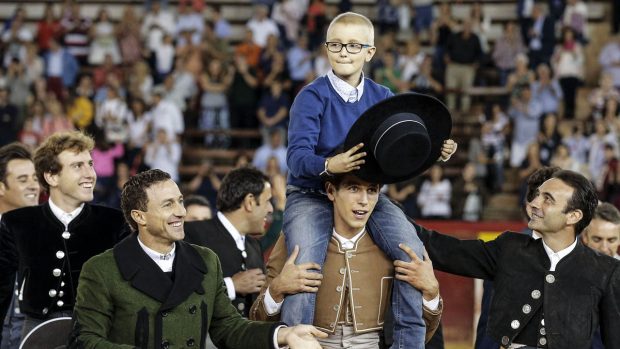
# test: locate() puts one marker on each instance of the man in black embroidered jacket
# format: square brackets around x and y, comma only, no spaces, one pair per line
[548,293]
[19,188]
[47,244]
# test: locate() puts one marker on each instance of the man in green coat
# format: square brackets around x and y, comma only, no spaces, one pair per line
[153,290]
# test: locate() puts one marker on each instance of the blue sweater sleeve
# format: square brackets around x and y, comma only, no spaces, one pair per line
[303,135]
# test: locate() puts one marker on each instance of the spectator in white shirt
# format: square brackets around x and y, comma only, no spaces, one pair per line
[576,17]
[164,58]
[156,24]
[435,195]
[103,40]
[166,115]
[15,37]
[114,117]
[609,59]
[262,26]
[288,14]
[189,20]
[164,154]
[275,148]
[410,62]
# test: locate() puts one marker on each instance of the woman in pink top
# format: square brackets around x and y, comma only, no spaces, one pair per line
[104,156]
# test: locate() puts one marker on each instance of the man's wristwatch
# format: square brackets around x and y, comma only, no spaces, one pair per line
[325,171]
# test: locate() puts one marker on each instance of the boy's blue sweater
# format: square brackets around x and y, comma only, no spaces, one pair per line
[320,121]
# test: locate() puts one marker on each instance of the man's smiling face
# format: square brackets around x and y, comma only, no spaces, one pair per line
[21,186]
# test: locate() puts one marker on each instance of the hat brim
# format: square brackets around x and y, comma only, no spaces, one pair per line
[433,112]
[51,334]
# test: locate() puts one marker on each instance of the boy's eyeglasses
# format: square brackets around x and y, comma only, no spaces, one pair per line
[336,47]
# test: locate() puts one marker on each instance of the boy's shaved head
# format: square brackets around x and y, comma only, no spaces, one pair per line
[354,18]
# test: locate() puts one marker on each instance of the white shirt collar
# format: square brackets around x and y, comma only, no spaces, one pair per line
[617,256]
[348,244]
[164,261]
[555,257]
[63,216]
[347,92]
[239,239]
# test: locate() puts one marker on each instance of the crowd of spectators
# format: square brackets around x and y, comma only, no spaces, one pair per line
[139,81]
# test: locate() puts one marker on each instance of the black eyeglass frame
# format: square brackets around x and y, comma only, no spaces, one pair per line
[348,46]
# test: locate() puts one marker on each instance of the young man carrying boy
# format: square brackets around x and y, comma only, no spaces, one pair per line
[321,115]
[352,289]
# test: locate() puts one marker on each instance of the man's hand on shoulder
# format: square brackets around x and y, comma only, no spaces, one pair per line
[300,337]
[249,281]
[418,273]
[295,278]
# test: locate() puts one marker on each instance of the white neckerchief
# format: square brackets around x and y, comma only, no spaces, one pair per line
[239,239]
[348,244]
[63,216]
[163,261]
[555,257]
[347,92]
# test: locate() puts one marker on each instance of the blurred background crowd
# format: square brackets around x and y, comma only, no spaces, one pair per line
[197,88]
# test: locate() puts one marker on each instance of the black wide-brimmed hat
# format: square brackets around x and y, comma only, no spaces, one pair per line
[51,334]
[402,137]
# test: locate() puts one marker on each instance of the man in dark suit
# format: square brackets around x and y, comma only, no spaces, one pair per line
[541,37]
[243,204]
[46,245]
[551,292]
[153,290]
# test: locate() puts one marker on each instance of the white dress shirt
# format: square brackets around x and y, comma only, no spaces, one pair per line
[163,261]
[63,216]
[347,92]
[555,257]
[240,242]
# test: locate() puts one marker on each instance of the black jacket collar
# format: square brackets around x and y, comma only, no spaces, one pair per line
[146,276]
[47,210]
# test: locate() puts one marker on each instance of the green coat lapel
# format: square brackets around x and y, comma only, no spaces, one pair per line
[189,272]
[144,274]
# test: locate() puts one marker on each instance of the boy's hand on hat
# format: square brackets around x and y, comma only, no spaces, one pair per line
[447,149]
[347,161]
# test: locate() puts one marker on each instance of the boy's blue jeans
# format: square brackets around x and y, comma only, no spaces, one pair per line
[308,222]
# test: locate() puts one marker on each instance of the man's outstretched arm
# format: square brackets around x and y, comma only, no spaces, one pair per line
[471,258]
